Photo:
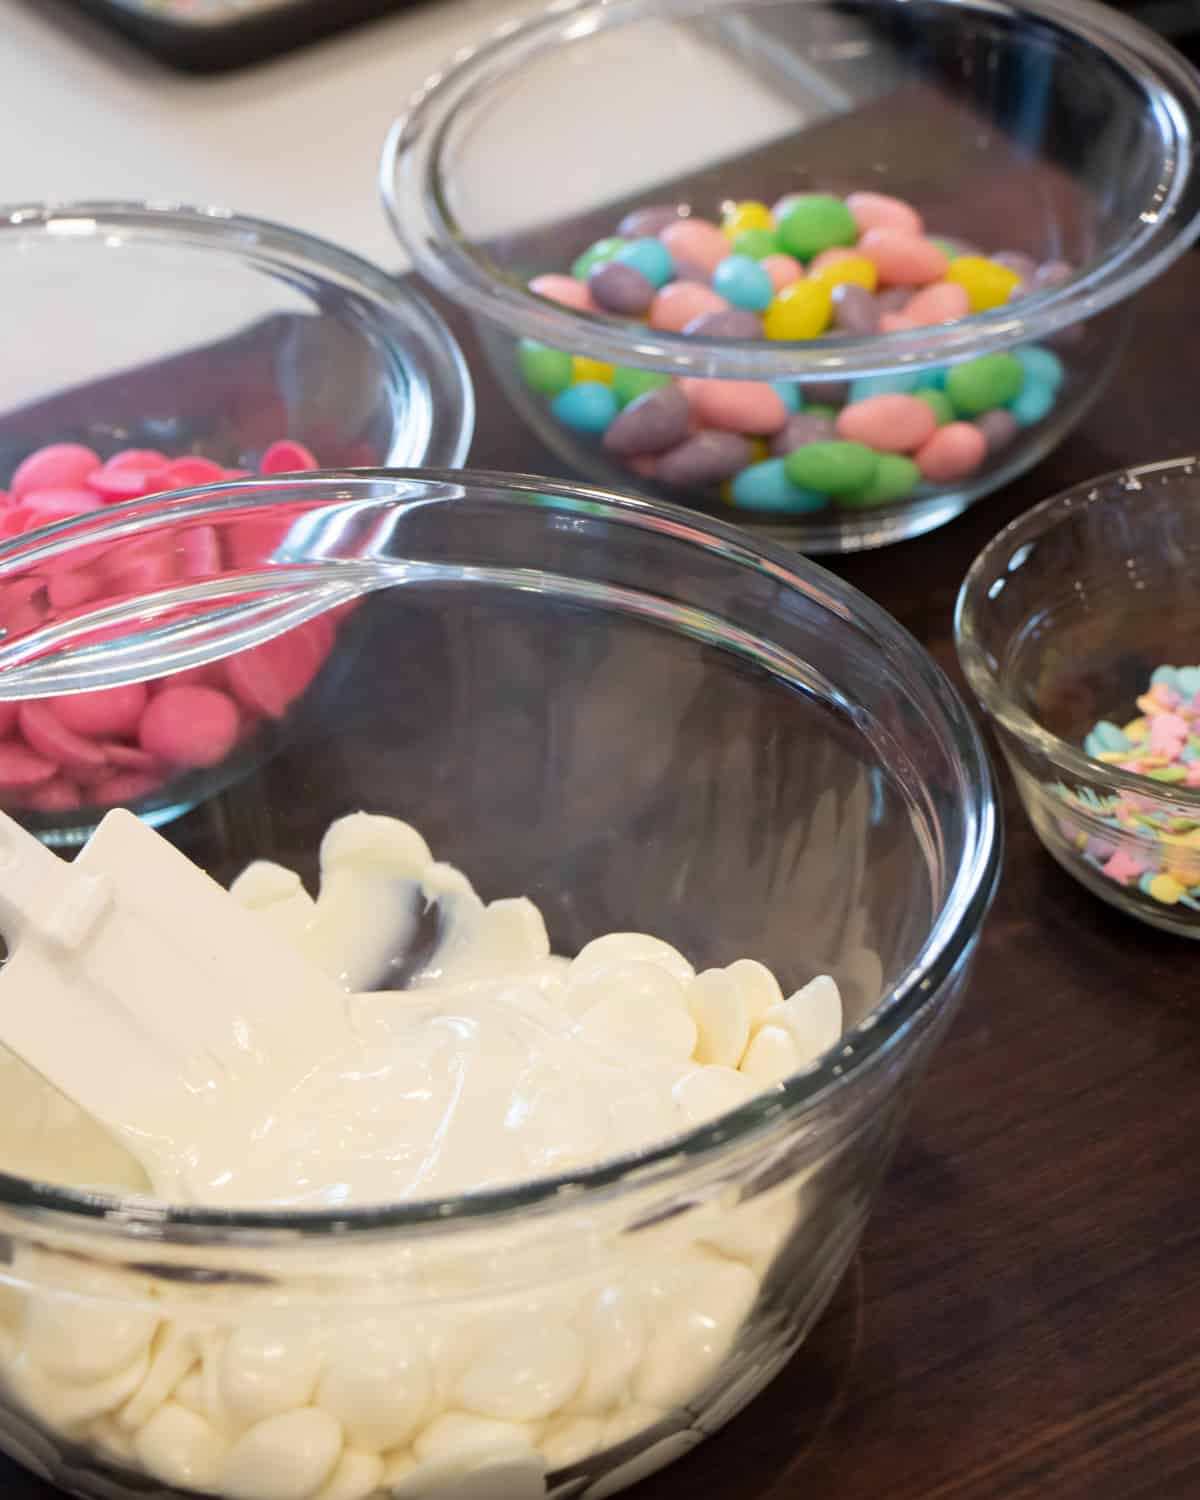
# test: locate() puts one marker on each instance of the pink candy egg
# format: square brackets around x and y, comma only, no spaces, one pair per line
[895,323]
[564,290]
[698,241]
[679,302]
[889,424]
[747,406]
[903,259]
[107,711]
[57,466]
[782,269]
[189,726]
[879,211]
[50,737]
[953,452]
[288,457]
[944,302]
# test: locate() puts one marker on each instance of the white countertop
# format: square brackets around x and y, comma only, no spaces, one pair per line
[86,115]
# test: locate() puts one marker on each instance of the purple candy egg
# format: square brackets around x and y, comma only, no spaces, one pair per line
[731,323]
[707,458]
[650,424]
[894,300]
[855,310]
[999,427]
[800,428]
[686,270]
[620,289]
[647,223]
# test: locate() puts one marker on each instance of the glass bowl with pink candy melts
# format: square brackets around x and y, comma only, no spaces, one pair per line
[1079,631]
[832,270]
[169,349]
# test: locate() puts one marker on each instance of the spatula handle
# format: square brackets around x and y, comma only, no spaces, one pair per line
[42,895]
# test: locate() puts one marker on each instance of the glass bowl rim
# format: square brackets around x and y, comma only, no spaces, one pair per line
[397,308]
[424,227]
[1063,509]
[951,934]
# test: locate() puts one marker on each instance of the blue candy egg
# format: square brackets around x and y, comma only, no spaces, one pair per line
[743,282]
[1041,364]
[898,383]
[587,407]
[1166,677]
[1035,402]
[650,257]
[765,486]
[1188,681]
[790,394]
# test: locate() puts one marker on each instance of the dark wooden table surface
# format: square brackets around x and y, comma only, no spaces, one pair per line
[1023,1320]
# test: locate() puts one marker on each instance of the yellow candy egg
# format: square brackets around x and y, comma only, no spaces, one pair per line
[856,269]
[986,284]
[1183,878]
[1136,730]
[595,370]
[1166,889]
[748,215]
[800,311]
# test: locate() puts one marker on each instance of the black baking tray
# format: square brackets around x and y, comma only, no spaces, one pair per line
[212,36]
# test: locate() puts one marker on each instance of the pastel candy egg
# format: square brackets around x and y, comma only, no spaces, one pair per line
[889,424]
[894,299]
[945,302]
[564,290]
[628,384]
[543,369]
[706,458]
[815,222]
[979,384]
[747,215]
[651,220]
[881,211]
[743,283]
[953,452]
[748,406]
[596,255]
[56,466]
[649,256]
[765,486]
[588,407]
[680,302]
[799,311]
[650,424]
[855,310]
[986,284]
[190,726]
[782,269]
[938,403]
[735,323]
[1041,364]
[1036,401]
[697,241]
[758,244]
[894,479]
[106,711]
[525,1376]
[583,367]
[620,288]
[287,1457]
[903,259]
[800,428]
[998,427]
[831,468]
[790,393]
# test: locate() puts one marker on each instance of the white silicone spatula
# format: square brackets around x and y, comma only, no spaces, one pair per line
[140,989]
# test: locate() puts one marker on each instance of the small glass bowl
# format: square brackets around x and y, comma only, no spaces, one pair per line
[1061,621]
[1054,128]
[641,722]
[190,333]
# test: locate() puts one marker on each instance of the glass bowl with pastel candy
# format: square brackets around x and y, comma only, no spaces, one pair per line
[1079,631]
[169,349]
[824,267]
[643,1013]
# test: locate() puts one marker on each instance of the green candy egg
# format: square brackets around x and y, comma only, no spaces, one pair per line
[757,243]
[628,384]
[937,402]
[596,255]
[816,222]
[543,369]
[833,467]
[980,384]
[895,478]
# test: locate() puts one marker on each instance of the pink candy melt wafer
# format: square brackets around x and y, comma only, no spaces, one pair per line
[189,726]
[287,457]
[49,736]
[21,768]
[108,711]
[58,466]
